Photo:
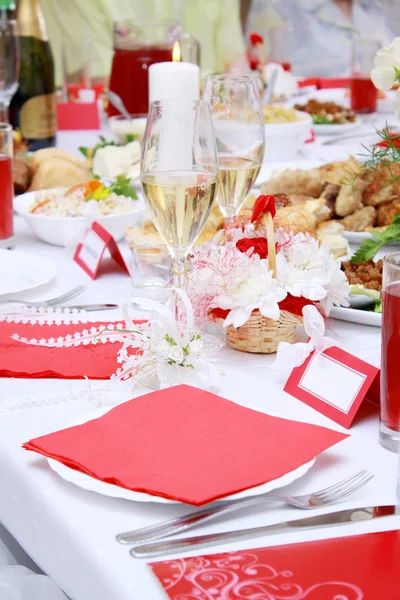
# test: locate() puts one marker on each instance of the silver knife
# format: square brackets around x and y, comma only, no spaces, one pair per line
[171,546]
[91,307]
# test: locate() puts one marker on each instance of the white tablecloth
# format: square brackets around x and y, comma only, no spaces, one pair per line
[70,533]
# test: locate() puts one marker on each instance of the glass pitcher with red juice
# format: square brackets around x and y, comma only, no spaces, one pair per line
[390,369]
[6,186]
[363,93]
[137,45]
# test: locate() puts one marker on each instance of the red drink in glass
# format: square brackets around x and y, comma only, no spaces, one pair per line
[129,76]
[6,185]
[6,198]
[390,371]
[364,95]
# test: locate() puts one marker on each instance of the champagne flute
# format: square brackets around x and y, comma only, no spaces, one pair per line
[9,65]
[240,134]
[179,174]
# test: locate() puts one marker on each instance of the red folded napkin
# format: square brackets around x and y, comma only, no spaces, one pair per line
[95,361]
[186,444]
[362,567]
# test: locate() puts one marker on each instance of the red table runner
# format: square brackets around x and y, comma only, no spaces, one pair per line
[362,567]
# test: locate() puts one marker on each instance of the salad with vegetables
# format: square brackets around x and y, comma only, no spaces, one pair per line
[93,196]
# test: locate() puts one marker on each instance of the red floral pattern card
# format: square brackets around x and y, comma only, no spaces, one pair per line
[362,567]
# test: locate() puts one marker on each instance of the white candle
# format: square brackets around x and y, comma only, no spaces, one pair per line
[172,80]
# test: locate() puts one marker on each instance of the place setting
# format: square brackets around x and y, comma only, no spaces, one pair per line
[178,258]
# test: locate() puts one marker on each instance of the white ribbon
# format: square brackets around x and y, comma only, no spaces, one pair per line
[290,356]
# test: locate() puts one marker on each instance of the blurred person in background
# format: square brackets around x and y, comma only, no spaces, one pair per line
[391,9]
[323,30]
[215,24]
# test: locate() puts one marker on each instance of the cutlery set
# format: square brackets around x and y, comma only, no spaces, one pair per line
[62,299]
[150,541]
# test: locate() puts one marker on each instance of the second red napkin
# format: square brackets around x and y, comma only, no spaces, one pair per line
[95,361]
[186,444]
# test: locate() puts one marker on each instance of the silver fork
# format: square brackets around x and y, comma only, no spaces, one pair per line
[324,497]
[66,297]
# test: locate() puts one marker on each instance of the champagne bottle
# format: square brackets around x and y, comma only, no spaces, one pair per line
[7,9]
[33,107]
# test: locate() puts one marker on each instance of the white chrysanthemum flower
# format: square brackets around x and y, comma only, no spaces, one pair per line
[259,290]
[306,268]
[301,268]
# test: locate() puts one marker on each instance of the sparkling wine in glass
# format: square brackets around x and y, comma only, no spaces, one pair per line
[179,174]
[9,65]
[239,129]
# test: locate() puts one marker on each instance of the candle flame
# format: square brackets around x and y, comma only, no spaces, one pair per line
[176,52]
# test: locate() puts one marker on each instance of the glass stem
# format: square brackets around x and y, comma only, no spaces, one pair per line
[179,273]
[230,222]
[4,118]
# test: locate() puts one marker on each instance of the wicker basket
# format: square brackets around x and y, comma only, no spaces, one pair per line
[262,335]
[259,334]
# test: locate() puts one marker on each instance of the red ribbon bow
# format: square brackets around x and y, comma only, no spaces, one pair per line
[256,38]
[263,204]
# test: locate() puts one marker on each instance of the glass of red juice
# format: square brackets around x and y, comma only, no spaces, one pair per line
[363,93]
[390,370]
[6,186]
[137,45]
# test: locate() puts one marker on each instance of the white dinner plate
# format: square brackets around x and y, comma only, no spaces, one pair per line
[91,484]
[20,271]
[352,315]
[337,129]
[357,237]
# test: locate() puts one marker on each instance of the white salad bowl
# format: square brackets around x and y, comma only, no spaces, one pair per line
[284,140]
[67,231]
[121,127]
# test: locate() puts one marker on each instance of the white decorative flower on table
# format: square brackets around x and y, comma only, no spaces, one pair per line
[258,291]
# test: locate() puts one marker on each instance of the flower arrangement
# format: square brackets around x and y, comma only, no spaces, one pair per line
[252,275]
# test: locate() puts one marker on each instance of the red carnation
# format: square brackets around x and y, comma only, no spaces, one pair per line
[294,304]
[259,246]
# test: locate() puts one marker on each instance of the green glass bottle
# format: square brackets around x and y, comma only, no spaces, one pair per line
[33,107]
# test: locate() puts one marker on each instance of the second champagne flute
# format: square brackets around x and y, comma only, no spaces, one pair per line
[240,135]
[179,174]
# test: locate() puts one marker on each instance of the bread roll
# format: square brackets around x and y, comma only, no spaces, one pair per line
[55,173]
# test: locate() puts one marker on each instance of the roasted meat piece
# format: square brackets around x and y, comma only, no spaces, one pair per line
[382,185]
[387,212]
[21,175]
[308,182]
[361,219]
[329,196]
[367,273]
